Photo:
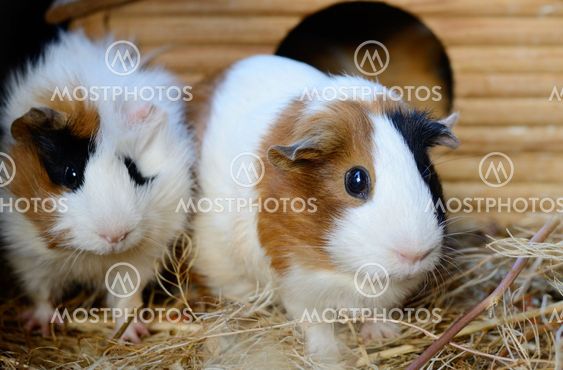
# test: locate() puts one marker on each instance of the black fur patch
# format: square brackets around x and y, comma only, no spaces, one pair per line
[420,133]
[59,149]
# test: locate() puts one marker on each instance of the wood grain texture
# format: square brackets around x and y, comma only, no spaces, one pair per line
[516,59]
[207,29]
[497,30]
[528,167]
[544,8]
[511,111]
[207,58]
[63,10]
[485,139]
[501,84]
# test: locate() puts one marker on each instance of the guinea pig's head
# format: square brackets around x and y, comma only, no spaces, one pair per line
[111,177]
[367,167]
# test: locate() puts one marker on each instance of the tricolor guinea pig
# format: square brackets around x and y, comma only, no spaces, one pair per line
[359,162]
[97,179]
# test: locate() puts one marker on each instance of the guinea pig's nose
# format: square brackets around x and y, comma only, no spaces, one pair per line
[114,238]
[413,257]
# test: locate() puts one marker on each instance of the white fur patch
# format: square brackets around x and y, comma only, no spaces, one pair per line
[395,219]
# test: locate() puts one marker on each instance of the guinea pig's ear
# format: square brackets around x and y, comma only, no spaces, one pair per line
[35,119]
[447,137]
[144,113]
[313,146]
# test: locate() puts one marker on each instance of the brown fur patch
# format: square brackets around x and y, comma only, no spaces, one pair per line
[199,108]
[31,182]
[82,117]
[347,142]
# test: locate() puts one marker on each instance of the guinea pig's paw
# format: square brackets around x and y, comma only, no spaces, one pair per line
[40,318]
[134,333]
[322,345]
[379,331]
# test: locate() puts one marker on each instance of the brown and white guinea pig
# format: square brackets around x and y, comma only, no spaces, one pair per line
[114,169]
[363,160]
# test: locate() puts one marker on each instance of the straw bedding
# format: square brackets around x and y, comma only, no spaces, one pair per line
[521,331]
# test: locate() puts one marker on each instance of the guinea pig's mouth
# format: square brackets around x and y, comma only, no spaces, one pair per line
[125,243]
[406,276]
[100,245]
[419,268]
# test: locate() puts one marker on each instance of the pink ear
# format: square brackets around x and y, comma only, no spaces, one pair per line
[144,114]
[140,113]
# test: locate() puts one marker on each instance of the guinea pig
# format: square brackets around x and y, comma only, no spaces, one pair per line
[101,176]
[359,162]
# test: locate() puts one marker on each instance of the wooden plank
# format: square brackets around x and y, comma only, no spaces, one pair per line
[497,30]
[484,7]
[512,190]
[191,79]
[510,111]
[469,202]
[225,7]
[532,167]
[93,25]
[484,139]
[476,84]
[433,7]
[203,29]
[63,10]
[202,58]
[506,59]
[265,28]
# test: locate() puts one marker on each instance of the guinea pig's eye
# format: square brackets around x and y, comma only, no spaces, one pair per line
[70,179]
[134,173]
[357,182]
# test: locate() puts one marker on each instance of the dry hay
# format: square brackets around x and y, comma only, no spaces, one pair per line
[519,332]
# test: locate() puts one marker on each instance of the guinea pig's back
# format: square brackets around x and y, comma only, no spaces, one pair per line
[244,103]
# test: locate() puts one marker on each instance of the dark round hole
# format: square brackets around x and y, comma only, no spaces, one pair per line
[328,40]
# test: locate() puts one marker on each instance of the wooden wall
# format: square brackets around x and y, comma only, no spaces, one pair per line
[506,55]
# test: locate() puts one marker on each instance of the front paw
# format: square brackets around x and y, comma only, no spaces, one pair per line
[133,333]
[40,318]
[321,344]
[379,331]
